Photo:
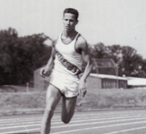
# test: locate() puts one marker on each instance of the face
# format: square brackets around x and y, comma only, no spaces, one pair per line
[69,22]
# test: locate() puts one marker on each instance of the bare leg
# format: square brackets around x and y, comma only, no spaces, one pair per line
[52,98]
[68,108]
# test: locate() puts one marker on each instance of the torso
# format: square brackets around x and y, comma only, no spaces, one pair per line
[66,47]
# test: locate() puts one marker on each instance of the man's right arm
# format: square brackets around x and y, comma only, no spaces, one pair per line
[46,71]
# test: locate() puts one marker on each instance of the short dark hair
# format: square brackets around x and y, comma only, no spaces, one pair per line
[72,11]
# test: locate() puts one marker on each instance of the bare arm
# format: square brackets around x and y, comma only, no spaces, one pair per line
[46,71]
[86,57]
[89,65]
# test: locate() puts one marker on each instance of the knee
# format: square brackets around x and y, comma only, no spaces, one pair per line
[49,111]
[66,119]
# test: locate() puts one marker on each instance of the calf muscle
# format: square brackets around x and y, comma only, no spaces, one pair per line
[52,99]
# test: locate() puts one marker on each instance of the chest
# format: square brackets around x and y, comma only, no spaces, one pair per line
[66,41]
[68,49]
[67,46]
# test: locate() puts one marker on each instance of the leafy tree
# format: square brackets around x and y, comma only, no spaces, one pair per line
[115,53]
[130,65]
[20,56]
[99,50]
[128,61]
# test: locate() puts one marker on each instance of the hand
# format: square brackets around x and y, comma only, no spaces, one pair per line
[82,88]
[44,72]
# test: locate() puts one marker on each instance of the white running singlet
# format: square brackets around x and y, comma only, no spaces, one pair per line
[68,64]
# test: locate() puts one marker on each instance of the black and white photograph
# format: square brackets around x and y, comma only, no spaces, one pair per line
[72,67]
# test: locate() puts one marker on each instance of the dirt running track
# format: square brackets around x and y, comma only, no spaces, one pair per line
[93,122]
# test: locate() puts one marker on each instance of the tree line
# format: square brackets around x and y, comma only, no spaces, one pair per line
[128,61]
[21,56]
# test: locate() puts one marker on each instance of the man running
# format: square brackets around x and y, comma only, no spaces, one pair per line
[65,66]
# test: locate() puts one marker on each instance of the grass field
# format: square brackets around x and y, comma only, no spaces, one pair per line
[116,98]
[95,99]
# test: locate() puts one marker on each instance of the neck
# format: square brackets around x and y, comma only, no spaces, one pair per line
[69,33]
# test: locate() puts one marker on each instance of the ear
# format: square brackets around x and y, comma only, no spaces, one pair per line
[77,22]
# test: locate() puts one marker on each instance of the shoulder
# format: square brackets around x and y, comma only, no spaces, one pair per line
[81,43]
[51,41]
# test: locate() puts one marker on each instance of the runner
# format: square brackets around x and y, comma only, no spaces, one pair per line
[69,52]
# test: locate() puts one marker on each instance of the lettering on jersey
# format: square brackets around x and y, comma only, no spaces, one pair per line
[67,64]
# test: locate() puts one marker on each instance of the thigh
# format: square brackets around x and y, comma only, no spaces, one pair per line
[52,97]
[68,106]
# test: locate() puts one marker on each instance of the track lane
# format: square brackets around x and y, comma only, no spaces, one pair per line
[97,122]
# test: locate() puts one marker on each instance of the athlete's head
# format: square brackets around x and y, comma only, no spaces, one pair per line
[70,19]
[71,11]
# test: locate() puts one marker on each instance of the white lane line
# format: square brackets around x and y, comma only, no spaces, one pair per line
[26,120]
[20,126]
[37,118]
[22,131]
[126,130]
[71,125]
[36,129]
[55,117]
[73,121]
[77,114]
[108,115]
[100,122]
[16,121]
[91,128]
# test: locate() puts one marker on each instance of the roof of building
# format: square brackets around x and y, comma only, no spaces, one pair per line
[108,76]
[133,81]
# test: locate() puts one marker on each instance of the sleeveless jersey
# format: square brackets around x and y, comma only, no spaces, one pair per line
[67,65]
[66,58]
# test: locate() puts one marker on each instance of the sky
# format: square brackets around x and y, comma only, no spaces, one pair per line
[121,22]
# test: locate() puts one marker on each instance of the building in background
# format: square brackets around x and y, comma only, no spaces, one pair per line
[104,76]
[134,82]
[103,81]
[96,81]
[40,83]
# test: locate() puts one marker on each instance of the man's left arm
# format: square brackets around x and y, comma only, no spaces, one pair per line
[88,68]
